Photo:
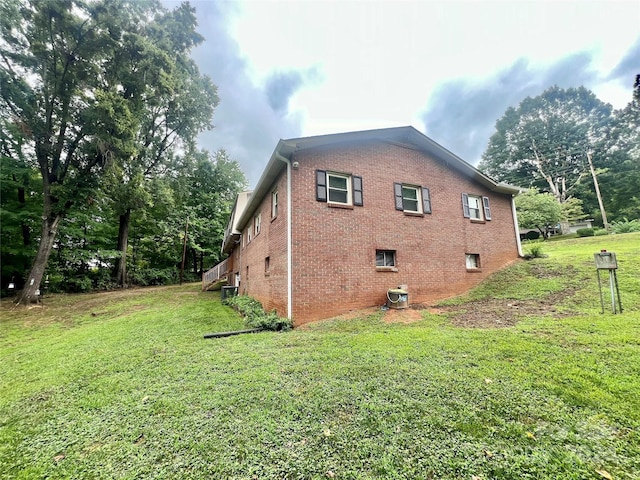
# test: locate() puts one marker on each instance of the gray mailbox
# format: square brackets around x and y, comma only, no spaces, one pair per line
[607,261]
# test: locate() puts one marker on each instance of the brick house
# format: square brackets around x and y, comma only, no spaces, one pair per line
[336,220]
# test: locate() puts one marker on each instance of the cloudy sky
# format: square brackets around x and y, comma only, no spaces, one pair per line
[449,68]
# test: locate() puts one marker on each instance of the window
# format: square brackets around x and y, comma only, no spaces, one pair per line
[267,266]
[473,261]
[257,223]
[476,207]
[249,228]
[412,198]
[274,204]
[385,258]
[338,188]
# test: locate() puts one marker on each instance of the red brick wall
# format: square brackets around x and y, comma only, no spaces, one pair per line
[334,267]
[269,287]
[334,249]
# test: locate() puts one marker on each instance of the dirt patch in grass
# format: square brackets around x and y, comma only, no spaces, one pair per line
[496,313]
[487,313]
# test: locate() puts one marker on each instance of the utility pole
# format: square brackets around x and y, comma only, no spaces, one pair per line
[595,183]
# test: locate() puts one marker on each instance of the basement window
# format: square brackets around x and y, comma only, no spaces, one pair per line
[473,261]
[386,260]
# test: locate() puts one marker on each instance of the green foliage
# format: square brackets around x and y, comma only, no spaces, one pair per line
[255,316]
[538,210]
[600,232]
[534,251]
[154,276]
[586,232]
[97,97]
[626,226]
[542,143]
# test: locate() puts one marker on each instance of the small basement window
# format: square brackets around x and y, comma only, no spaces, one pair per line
[473,261]
[386,260]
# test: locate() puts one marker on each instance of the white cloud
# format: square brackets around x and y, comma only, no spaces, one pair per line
[383,63]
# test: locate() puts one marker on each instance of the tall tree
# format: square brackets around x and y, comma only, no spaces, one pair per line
[56,59]
[171,103]
[621,181]
[205,190]
[543,143]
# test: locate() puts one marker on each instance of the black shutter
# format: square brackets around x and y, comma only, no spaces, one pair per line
[426,200]
[465,206]
[321,186]
[357,191]
[397,190]
[487,208]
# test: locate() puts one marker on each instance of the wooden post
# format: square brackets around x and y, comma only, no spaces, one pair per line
[184,250]
[597,187]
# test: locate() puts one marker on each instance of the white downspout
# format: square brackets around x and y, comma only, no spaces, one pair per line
[515,224]
[289,239]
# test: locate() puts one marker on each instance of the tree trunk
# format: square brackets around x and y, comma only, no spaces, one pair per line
[123,239]
[32,287]
[194,258]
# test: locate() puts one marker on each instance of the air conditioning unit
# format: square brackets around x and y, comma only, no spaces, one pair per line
[397,298]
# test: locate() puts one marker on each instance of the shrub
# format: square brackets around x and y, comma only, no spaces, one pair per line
[599,232]
[585,232]
[255,316]
[154,276]
[535,251]
[626,226]
[78,284]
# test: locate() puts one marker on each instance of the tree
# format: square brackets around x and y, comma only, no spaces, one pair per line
[621,180]
[538,210]
[206,189]
[543,143]
[63,110]
[171,103]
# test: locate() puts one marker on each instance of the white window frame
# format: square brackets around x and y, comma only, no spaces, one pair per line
[476,209]
[348,181]
[418,199]
[274,204]
[257,224]
[472,261]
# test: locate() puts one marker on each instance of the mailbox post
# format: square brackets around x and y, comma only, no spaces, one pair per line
[607,261]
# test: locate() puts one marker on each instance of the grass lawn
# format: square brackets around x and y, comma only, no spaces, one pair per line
[522,378]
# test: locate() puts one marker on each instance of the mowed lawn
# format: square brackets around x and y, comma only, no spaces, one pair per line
[522,378]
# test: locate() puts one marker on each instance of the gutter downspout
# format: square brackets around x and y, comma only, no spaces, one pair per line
[289,240]
[515,225]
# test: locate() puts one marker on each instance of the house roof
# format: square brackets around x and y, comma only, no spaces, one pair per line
[403,136]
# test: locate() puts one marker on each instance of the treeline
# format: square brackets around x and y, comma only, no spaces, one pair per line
[100,107]
[197,193]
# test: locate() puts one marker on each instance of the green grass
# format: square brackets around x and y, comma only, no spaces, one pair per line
[123,385]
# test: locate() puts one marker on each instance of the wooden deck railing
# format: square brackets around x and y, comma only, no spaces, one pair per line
[215,274]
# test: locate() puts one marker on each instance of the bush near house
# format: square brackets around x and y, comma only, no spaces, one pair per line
[255,316]
[586,232]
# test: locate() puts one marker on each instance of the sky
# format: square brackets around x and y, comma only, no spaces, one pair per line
[450,69]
